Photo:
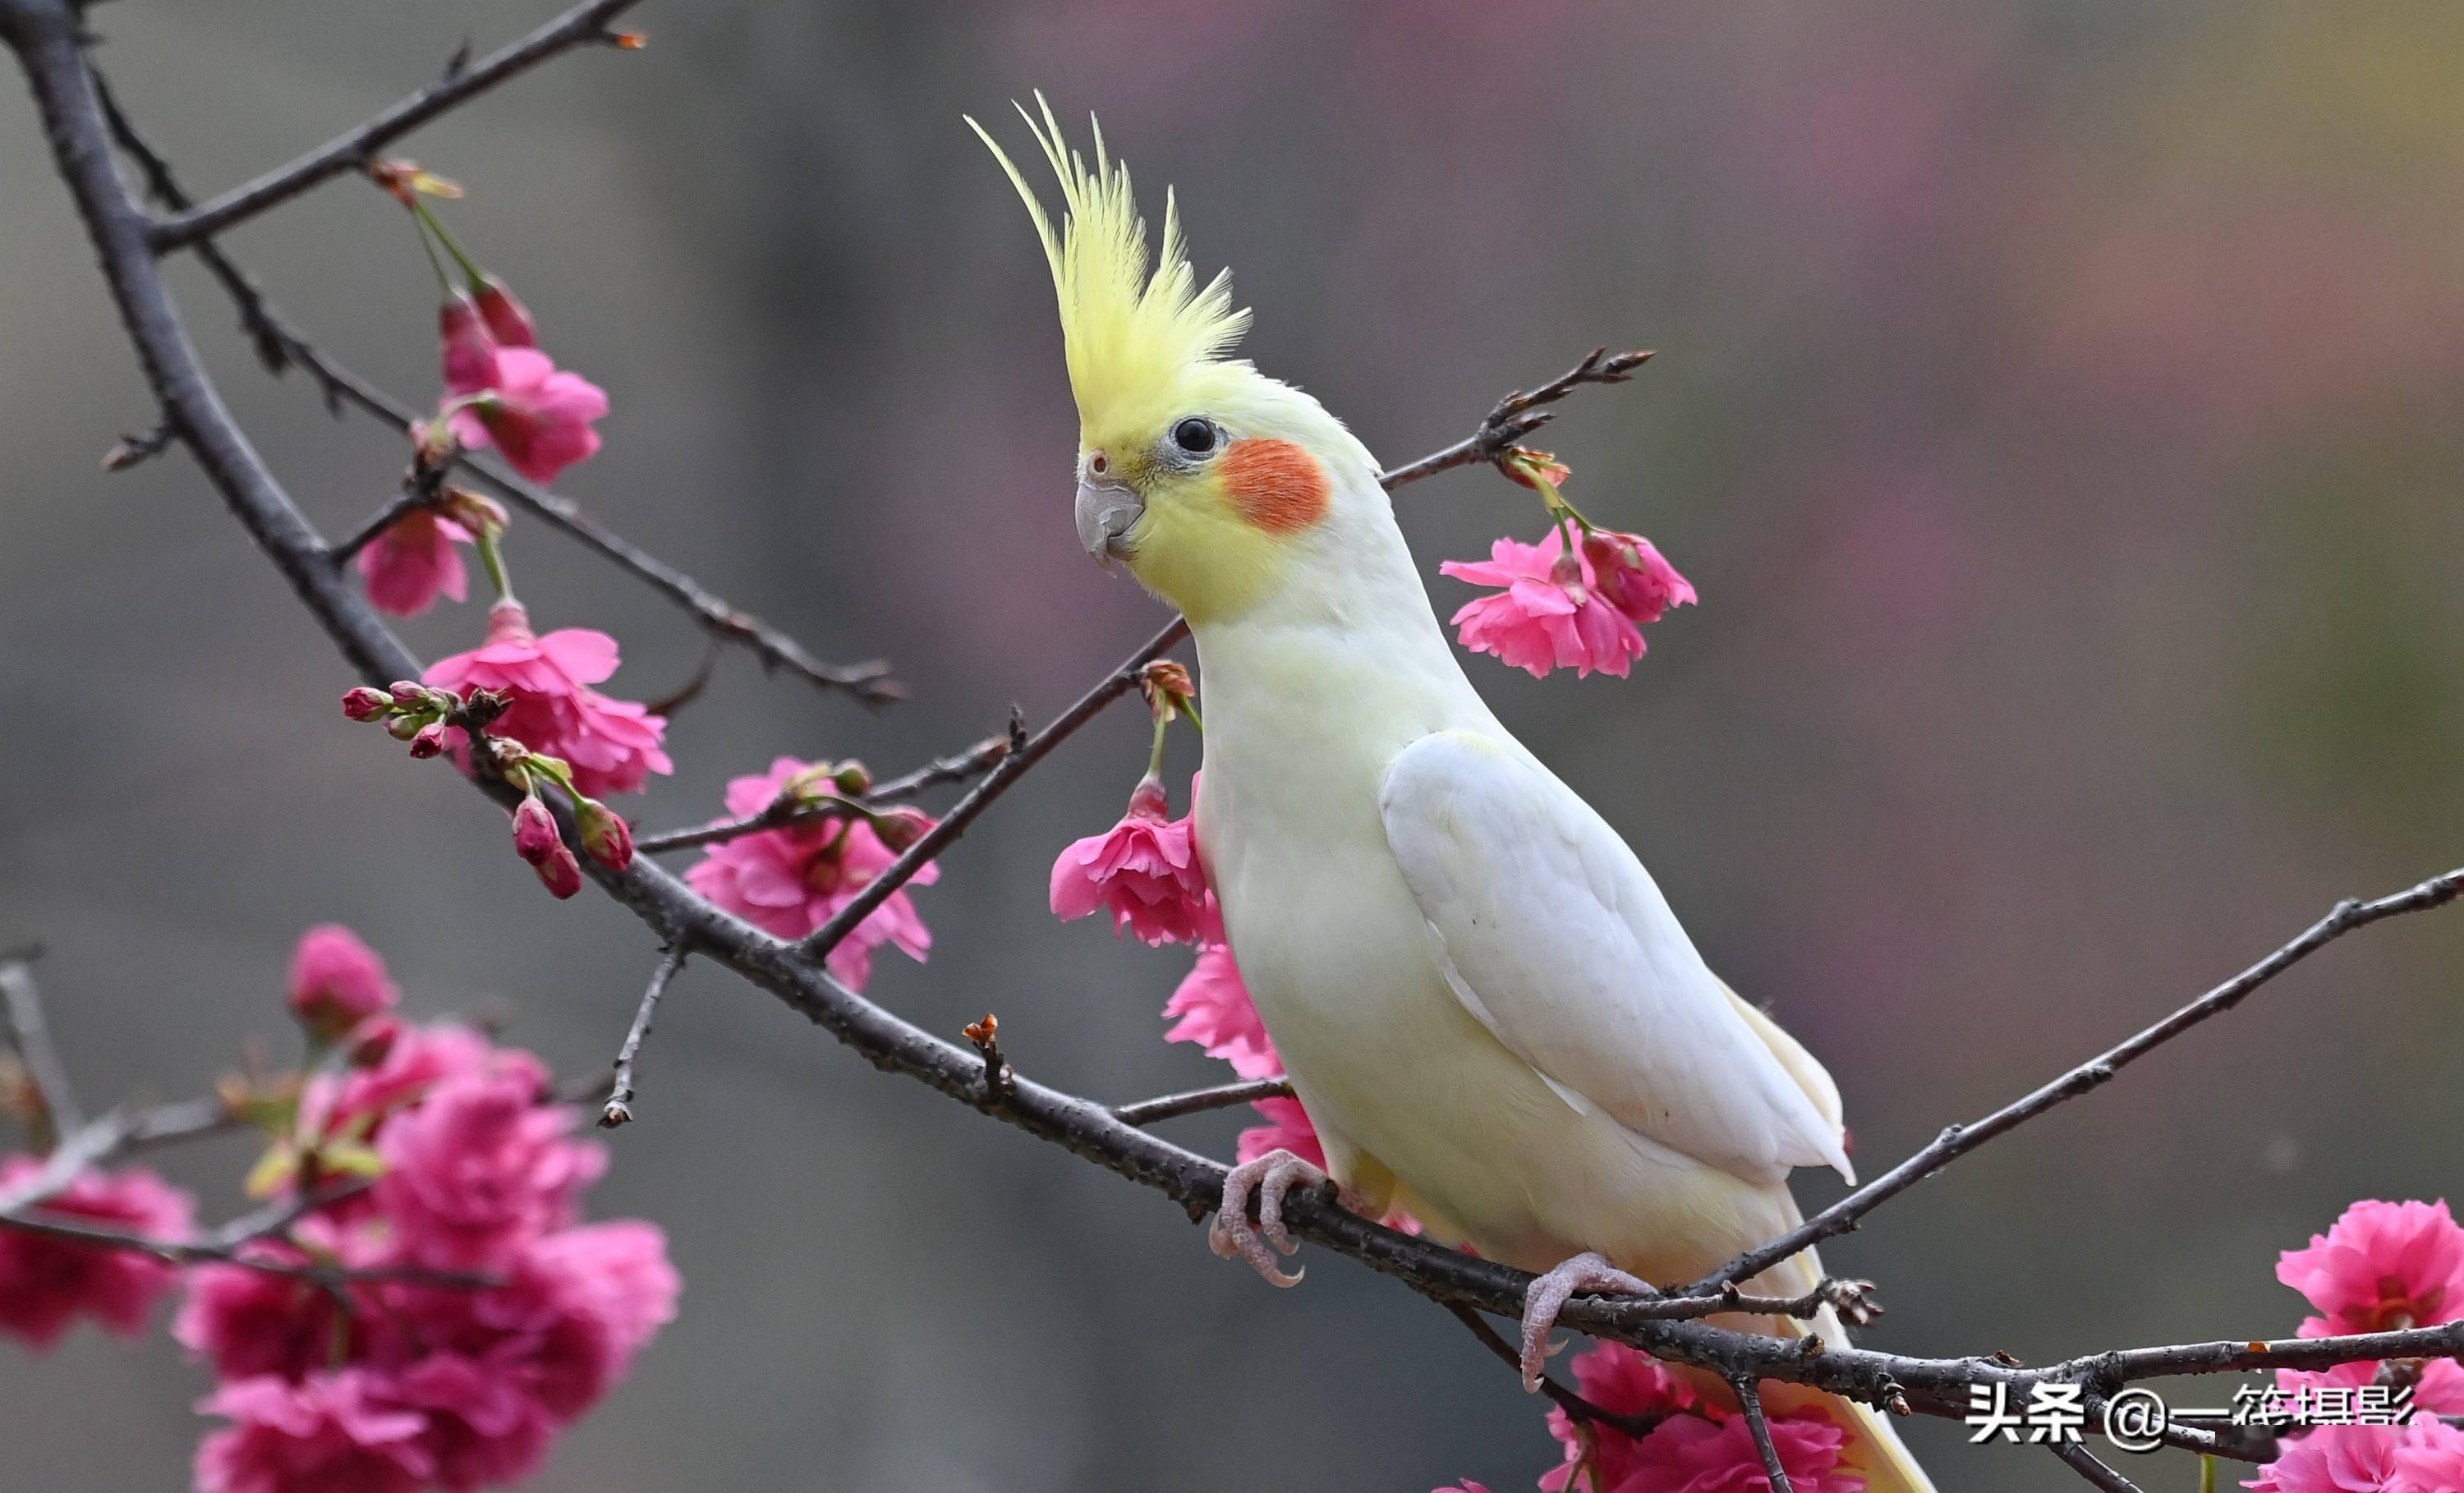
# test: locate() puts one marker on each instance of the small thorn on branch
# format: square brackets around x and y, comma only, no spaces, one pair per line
[129,450]
[619,1094]
[999,1075]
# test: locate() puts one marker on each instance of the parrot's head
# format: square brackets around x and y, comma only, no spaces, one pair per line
[1216,485]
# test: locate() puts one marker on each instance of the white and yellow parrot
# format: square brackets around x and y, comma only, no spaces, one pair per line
[1481,997]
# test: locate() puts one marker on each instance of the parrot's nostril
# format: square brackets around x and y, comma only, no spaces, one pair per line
[1098,465]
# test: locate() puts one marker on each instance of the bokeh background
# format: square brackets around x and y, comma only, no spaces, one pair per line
[2056,407]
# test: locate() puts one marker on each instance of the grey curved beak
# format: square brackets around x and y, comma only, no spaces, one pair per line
[1107,511]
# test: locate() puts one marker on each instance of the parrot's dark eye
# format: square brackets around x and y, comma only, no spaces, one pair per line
[1194,435]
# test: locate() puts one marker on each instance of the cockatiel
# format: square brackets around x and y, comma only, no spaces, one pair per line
[1482,1000]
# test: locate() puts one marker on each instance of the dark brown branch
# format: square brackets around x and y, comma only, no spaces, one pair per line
[1196,1101]
[23,1028]
[2079,1460]
[620,1091]
[230,1244]
[1025,753]
[1960,1139]
[45,36]
[789,809]
[1575,1405]
[413,496]
[1749,1399]
[956,767]
[1517,415]
[356,148]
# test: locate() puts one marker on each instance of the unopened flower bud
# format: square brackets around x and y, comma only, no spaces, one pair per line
[374,1040]
[535,836]
[429,741]
[853,777]
[605,835]
[901,828]
[560,873]
[364,703]
[506,318]
[472,511]
[408,691]
[402,728]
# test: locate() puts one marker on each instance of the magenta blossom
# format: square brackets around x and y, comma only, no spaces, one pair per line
[47,1282]
[467,349]
[2340,1459]
[536,413]
[1552,613]
[791,881]
[326,1434]
[1703,1446]
[612,745]
[414,562]
[2382,1266]
[247,1323]
[508,319]
[1212,1008]
[1630,574]
[2428,1458]
[337,981]
[1145,869]
[478,1168]
[1287,1128]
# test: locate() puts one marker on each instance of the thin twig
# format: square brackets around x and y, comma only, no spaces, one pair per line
[1196,1101]
[22,1027]
[1517,415]
[1749,1398]
[1025,753]
[1960,1139]
[789,809]
[413,496]
[354,150]
[956,767]
[1575,1405]
[2079,1460]
[619,1092]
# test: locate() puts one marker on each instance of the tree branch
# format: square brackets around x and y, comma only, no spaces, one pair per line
[2084,1462]
[1517,415]
[1575,1406]
[23,1028]
[1749,1398]
[619,1092]
[1172,1107]
[354,150]
[1960,1139]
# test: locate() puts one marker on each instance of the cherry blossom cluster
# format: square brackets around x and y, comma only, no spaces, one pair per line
[429,1311]
[2382,1266]
[1577,600]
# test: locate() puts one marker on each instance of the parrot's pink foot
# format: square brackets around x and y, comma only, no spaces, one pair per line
[1548,1295]
[1270,1176]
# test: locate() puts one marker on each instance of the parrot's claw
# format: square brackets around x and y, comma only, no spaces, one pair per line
[1548,1295]
[1270,1176]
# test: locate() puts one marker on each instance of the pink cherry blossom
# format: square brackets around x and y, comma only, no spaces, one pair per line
[324,1435]
[413,562]
[1704,1446]
[478,1167]
[1630,574]
[621,1270]
[2333,1459]
[2438,1390]
[338,981]
[508,319]
[2382,1266]
[423,1058]
[247,1323]
[1287,1128]
[47,1282]
[612,745]
[1145,869]
[2428,1458]
[1466,1485]
[467,349]
[536,413]
[1212,1008]
[1549,615]
[791,881]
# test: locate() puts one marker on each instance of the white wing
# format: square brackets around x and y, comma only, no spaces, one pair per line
[1554,936]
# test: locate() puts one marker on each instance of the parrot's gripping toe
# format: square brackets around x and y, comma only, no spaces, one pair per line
[1270,1178]
[1548,1295]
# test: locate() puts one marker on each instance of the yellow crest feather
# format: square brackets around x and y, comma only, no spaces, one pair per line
[1138,344]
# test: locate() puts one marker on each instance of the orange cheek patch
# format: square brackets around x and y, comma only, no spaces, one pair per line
[1276,486]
